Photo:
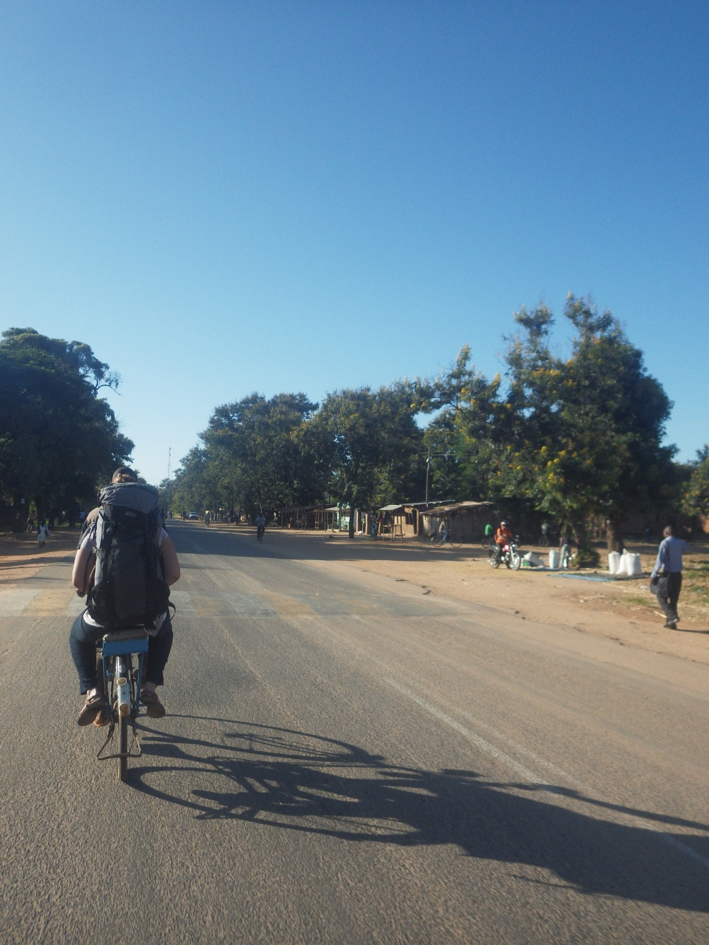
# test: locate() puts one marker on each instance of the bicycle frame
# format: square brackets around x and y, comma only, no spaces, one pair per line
[122,683]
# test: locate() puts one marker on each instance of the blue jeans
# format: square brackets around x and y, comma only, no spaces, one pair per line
[84,639]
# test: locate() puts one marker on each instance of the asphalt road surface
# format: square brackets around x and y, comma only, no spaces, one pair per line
[348,759]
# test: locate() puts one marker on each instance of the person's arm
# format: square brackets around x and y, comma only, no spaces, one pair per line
[170,564]
[83,568]
[660,560]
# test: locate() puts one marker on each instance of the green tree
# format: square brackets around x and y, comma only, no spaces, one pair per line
[566,438]
[58,439]
[257,451]
[372,444]
[695,499]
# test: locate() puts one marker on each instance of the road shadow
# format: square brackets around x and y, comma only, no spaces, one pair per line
[292,780]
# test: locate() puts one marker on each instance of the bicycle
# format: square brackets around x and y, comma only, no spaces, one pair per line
[121,683]
[488,542]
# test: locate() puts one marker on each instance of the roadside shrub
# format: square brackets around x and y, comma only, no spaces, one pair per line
[586,558]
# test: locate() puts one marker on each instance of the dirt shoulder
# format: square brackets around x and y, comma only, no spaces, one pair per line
[589,602]
[21,556]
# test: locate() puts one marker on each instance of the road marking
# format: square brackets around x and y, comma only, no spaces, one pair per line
[47,602]
[288,606]
[13,600]
[529,775]
[469,734]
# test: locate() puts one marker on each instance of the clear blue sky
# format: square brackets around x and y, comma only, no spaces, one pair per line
[223,197]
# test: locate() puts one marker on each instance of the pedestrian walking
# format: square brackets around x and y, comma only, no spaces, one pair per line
[666,576]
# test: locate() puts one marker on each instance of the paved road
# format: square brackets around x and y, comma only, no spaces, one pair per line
[347,759]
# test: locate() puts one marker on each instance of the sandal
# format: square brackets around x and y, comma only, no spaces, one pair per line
[154,706]
[102,718]
[91,709]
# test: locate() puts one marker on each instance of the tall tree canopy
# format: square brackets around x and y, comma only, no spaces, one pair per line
[58,438]
[572,437]
[372,443]
[696,492]
[258,450]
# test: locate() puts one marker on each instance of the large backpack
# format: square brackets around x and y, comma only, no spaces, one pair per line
[128,587]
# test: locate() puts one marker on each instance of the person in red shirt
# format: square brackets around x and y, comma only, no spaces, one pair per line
[503,536]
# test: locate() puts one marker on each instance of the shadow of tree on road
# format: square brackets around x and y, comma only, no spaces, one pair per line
[298,781]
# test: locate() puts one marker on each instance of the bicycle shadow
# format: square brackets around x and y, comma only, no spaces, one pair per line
[294,780]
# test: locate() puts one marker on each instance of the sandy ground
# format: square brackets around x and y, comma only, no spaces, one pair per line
[592,602]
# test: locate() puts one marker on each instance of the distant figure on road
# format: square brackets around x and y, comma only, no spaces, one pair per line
[42,533]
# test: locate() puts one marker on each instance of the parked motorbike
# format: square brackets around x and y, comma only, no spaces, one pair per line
[510,555]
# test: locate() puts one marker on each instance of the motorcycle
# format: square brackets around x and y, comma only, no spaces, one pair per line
[509,554]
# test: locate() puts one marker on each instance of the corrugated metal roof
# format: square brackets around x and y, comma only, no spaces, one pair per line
[455,507]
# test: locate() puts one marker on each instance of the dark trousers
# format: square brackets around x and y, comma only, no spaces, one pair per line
[669,603]
[84,639]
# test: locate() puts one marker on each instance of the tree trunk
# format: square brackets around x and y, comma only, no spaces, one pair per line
[614,535]
[352,521]
[580,534]
[19,514]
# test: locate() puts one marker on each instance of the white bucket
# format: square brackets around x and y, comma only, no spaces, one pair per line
[553,558]
[614,562]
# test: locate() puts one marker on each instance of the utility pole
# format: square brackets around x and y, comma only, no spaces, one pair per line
[169,457]
[428,467]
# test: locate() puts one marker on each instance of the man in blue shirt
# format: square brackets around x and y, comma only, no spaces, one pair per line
[668,568]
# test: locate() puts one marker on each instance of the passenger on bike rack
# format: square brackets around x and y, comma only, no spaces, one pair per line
[86,633]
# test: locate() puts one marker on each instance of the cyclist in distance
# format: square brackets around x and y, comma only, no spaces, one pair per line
[260,524]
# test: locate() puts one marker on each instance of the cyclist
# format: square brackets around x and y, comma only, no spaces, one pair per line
[86,632]
[503,536]
[260,524]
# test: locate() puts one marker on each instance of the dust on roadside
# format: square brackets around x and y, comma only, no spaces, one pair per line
[590,602]
[21,556]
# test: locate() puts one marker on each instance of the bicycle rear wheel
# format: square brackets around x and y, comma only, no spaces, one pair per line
[122,747]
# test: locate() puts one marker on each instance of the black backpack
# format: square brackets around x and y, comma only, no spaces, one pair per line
[128,587]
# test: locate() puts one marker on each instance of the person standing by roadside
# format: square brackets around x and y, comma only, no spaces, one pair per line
[565,551]
[668,571]
[42,533]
